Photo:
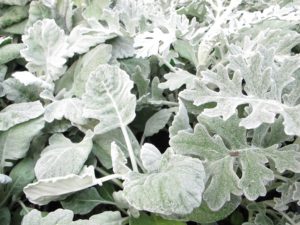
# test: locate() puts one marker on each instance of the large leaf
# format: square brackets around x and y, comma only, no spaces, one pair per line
[59,216]
[21,175]
[225,149]
[52,189]
[105,218]
[5,216]
[265,81]
[175,188]
[152,220]
[46,49]
[102,145]
[18,113]
[15,142]
[65,217]
[14,2]
[87,64]
[68,108]
[108,98]
[4,179]
[84,201]
[204,214]
[88,34]
[62,157]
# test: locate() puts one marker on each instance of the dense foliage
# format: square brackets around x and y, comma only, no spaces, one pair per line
[149,112]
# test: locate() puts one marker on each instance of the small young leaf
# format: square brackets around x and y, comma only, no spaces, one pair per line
[118,160]
[157,122]
[151,157]
[4,179]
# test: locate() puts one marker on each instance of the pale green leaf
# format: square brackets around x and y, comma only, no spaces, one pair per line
[62,157]
[46,49]
[176,79]
[53,189]
[122,47]
[4,179]
[13,15]
[296,194]
[34,217]
[15,142]
[152,220]
[102,145]
[153,42]
[109,86]
[68,108]
[263,219]
[176,188]
[105,218]
[204,214]
[180,121]
[87,64]
[151,157]
[186,50]
[264,84]
[38,11]
[17,92]
[84,201]
[5,216]
[223,144]
[94,8]
[157,122]
[10,52]
[119,160]
[21,175]
[19,113]
[14,2]
[140,81]
[88,34]
[108,218]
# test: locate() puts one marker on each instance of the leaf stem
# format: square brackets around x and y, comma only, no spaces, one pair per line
[105,173]
[280,177]
[129,147]
[124,131]
[110,177]
[268,203]
[23,206]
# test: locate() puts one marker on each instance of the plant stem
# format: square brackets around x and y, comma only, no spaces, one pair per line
[280,177]
[124,130]
[103,172]
[23,206]
[110,177]
[130,149]
[269,203]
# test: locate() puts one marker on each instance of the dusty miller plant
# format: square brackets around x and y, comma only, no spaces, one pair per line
[88,86]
